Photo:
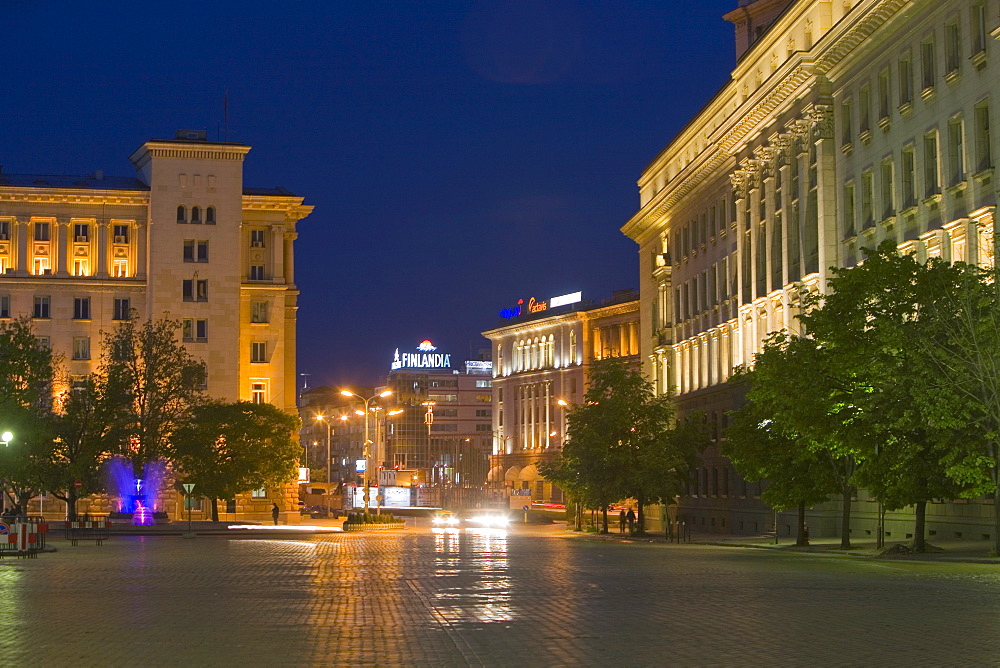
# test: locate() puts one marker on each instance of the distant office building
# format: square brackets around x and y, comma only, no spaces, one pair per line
[185,240]
[542,353]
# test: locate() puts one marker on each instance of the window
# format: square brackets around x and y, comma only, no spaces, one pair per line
[123,309]
[484,398]
[44,342]
[256,272]
[440,426]
[865,114]
[4,306]
[867,197]
[258,493]
[258,351]
[484,412]
[41,231]
[952,48]
[195,290]
[883,94]
[119,268]
[210,215]
[258,312]
[932,184]
[195,251]
[81,266]
[258,392]
[484,427]
[905,81]
[908,177]
[121,234]
[4,230]
[81,347]
[846,131]
[81,308]
[984,157]
[181,214]
[888,207]
[927,64]
[484,383]
[849,225]
[257,238]
[81,232]
[41,307]
[956,151]
[195,215]
[194,330]
[978,28]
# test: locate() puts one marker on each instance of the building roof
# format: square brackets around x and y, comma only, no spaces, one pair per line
[70,182]
[95,182]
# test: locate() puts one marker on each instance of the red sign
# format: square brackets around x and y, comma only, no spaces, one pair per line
[78,484]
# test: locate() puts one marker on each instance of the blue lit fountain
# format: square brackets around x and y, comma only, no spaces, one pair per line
[137,497]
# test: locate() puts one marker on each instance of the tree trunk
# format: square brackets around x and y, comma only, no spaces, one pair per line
[801,540]
[919,521]
[640,527]
[845,520]
[579,517]
[215,509]
[604,519]
[71,503]
[23,499]
[996,516]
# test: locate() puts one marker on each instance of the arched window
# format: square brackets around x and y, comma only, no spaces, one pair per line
[195,215]
[181,215]
[210,215]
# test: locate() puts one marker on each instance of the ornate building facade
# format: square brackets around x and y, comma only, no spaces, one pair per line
[844,124]
[186,240]
[540,367]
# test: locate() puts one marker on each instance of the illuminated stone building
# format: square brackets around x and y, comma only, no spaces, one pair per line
[844,123]
[184,240]
[541,356]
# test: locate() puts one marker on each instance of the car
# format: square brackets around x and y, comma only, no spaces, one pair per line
[490,519]
[445,518]
[319,512]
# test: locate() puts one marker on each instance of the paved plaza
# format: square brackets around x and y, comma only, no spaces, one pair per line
[525,597]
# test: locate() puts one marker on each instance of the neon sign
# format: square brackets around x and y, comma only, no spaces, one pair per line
[537,306]
[425,358]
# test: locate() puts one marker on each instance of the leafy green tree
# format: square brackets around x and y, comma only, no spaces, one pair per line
[153,382]
[624,441]
[227,449]
[27,370]
[799,475]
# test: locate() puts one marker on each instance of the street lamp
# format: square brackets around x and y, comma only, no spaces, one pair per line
[6,438]
[368,468]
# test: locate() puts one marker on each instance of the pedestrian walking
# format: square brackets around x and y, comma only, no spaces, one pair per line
[631,520]
[621,521]
[275,511]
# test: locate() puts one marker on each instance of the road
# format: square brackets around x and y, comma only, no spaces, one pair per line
[524,597]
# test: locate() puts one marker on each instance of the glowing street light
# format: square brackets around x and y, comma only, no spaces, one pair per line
[368,468]
[6,438]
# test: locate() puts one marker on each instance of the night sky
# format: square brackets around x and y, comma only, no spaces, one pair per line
[461,155]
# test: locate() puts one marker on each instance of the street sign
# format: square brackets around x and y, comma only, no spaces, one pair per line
[524,508]
[78,484]
[188,487]
[4,529]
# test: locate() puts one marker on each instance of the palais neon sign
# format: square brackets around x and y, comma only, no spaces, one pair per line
[536,306]
[424,358]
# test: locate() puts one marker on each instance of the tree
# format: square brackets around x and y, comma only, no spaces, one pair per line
[624,441]
[799,475]
[153,382]
[227,449]
[27,370]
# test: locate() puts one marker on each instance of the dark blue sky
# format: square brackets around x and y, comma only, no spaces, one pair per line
[461,155]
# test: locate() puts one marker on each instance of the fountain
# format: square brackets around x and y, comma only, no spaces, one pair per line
[137,497]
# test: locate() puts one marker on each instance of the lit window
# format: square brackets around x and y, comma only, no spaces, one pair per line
[81,347]
[119,268]
[41,307]
[258,393]
[259,493]
[40,266]
[81,266]
[258,312]
[81,308]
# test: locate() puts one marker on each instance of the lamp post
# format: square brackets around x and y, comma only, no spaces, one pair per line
[367,402]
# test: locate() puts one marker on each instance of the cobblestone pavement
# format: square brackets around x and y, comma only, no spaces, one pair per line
[523,598]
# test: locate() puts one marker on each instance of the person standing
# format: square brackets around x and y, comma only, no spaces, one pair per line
[275,511]
[621,521]
[631,520]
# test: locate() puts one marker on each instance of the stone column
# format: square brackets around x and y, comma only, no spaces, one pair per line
[137,239]
[63,242]
[821,116]
[277,253]
[22,261]
[102,250]
[289,257]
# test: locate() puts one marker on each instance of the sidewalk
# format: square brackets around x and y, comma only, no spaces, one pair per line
[943,550]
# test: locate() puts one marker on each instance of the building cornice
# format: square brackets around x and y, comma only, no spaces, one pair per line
[183,151]
[292,207]
[89,196]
